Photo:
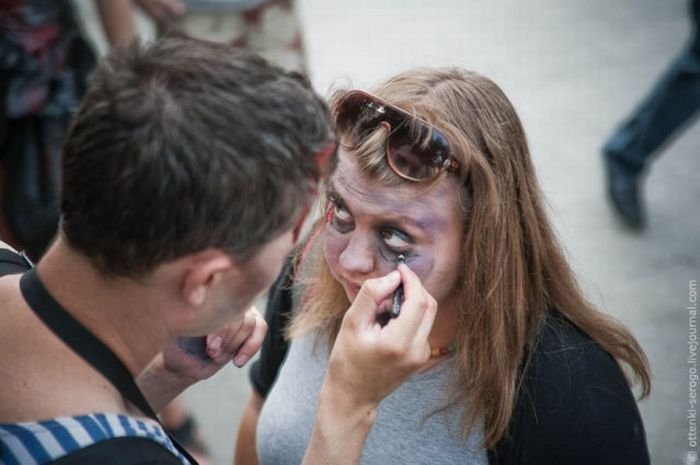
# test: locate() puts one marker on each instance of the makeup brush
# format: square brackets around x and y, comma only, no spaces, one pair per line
[398,293]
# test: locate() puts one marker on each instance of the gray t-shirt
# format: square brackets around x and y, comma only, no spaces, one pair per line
[221,5]
[404,432]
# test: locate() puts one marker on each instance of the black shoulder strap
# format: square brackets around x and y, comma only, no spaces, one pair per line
[82,341]
[85,344]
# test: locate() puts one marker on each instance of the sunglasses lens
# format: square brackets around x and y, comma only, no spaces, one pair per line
[347,113]
[357,115]
[360,113]
[413,162]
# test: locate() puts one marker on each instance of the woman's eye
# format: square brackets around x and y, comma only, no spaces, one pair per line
[395,240]
[340,213]
[338,216]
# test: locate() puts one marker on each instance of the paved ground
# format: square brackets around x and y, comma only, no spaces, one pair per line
[573,70]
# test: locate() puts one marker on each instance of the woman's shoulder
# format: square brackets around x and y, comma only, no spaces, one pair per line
[569,365]
[574,405]
[560,338]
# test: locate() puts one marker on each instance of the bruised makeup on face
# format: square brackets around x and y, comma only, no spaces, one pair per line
[369,224]
[393,224]
[391,238]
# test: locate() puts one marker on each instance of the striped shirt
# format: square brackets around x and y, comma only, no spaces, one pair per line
[36,443]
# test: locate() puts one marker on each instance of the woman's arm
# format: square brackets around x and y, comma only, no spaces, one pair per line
[245,453]
[341,429]
[264,371]
[117,17]
[367,363]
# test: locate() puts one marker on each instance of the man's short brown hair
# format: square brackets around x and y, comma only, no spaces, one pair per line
[184,145]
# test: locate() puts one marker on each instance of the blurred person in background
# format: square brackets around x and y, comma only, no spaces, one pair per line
[45,64]
[670,105]
[270,28]
[44,67]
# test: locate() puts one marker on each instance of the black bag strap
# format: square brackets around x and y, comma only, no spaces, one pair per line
[82,341]
[87,345]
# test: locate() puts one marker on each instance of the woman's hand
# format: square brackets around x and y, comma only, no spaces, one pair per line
[367,363]
[186,361]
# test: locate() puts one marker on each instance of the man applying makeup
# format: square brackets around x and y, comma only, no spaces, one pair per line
[186,179]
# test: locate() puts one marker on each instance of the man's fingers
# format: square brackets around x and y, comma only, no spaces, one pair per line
[226,341]
[251,346]
[222,343]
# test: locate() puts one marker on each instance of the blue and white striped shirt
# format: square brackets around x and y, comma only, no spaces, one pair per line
[36,443]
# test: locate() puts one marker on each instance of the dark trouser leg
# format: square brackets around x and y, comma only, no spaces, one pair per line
[672,102]
[32,152]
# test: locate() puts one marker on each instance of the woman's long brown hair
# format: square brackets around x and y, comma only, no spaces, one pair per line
[514,270]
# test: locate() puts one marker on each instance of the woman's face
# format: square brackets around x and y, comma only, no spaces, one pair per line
[369,225]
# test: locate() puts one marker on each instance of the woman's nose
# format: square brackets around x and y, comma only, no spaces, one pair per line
[358,256]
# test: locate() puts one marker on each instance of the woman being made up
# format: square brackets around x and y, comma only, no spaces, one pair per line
[434,171]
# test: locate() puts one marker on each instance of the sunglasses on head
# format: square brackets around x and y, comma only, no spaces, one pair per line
[415,150]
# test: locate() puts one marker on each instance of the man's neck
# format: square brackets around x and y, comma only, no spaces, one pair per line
[119,311]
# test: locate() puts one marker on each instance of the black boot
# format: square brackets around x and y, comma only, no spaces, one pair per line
[624,191]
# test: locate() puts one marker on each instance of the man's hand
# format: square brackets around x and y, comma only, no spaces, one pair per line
[199,358]
[186,361]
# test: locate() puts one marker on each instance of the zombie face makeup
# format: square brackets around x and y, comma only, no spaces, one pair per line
[369,225]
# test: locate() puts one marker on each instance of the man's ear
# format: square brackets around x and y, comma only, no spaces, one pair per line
[204,269]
